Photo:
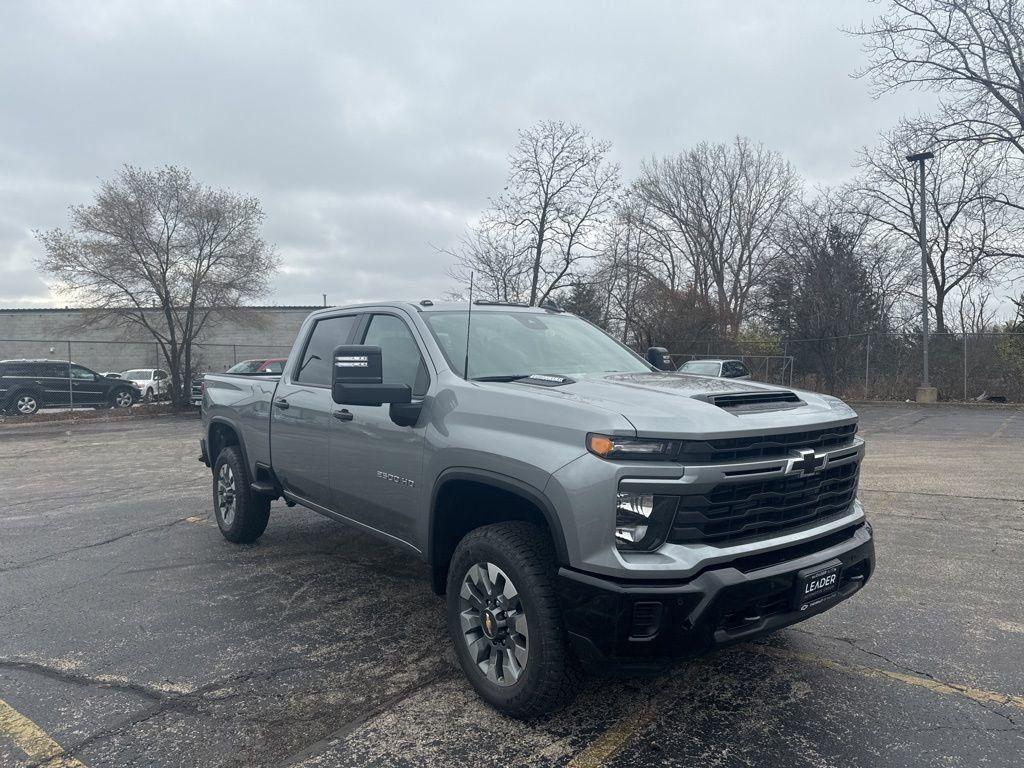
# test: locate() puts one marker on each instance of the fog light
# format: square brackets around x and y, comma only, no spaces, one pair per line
[642,520]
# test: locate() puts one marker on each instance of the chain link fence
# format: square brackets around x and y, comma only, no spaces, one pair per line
[118,356]
[984,366]
[103,356]
[880,366]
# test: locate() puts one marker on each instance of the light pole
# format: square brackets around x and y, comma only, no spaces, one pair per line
[926,393]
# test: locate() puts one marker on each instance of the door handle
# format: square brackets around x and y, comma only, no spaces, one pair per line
[281,403]
[342,415]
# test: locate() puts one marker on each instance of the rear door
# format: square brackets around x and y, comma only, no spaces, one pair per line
[54,381]
[301,412]
[376,465]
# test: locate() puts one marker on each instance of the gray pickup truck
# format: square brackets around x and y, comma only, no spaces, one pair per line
[579,508]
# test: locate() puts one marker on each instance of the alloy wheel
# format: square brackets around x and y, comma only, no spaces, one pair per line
[27,405]
[123,399]
[226,494]
[494,624]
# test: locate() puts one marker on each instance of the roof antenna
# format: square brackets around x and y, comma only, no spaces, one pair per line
[469,320]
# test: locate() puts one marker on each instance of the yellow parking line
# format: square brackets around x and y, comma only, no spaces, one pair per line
[609,743]
[1006,423]
[605,746]
[32,740]
[935,686]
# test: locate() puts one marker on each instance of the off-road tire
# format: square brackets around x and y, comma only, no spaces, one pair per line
[551,676]
[251,511]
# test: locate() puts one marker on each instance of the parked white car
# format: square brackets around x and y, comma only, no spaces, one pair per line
[154,383]
[725,369]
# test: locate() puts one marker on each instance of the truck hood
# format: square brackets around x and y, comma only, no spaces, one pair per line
[660,404]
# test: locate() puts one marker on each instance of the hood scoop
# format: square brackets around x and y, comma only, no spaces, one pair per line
[545,380]
[754,402]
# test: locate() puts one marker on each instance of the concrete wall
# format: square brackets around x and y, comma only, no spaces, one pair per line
[244,334]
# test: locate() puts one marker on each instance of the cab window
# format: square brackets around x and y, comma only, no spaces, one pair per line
[315,364]
[734,369]
[401,359]
[84,374]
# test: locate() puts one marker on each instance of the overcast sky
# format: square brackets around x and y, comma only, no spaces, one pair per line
[372,132]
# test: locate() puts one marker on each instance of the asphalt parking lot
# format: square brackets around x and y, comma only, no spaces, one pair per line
[132,634]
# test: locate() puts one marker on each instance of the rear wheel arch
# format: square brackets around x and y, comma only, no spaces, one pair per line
[21,391]
[465,499]
[219,435]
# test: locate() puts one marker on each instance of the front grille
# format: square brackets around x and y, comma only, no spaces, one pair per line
[763,446]
[733,511]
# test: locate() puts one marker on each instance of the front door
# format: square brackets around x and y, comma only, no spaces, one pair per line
[376,465]
[301,413]
[87,387]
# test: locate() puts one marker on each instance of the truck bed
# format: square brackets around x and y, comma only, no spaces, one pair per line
[246,400]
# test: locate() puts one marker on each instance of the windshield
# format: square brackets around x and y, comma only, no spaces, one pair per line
[521,343]
[246,366]
[138,375]
[700,368]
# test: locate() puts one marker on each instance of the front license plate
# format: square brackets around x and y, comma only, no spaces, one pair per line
[817,582]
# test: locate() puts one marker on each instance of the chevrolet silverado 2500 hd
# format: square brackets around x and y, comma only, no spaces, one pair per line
[578,507]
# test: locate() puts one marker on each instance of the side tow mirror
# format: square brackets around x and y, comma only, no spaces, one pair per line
[659,358]
[358,376]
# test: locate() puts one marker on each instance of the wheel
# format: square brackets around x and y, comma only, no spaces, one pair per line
[241,514]
[148,397]
[25,403]
[504,619]
[124,398]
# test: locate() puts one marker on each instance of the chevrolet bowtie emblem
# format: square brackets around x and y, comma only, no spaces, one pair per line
[806,463]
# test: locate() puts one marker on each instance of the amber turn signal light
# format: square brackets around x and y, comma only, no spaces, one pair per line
[600,444]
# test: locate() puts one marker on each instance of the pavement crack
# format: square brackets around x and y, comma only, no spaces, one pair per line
[853,643]
[78,678]
[170,702]
[92,545]
[442,671]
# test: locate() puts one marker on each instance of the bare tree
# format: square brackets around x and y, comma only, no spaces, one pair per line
[160,251]
[549,221]
[719,206]
[969,51]
[632,258]
[970,236]
[498,258]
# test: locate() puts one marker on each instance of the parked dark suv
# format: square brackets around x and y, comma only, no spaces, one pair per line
[28,385]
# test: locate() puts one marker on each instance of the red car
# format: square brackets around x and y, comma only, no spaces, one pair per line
[271,365]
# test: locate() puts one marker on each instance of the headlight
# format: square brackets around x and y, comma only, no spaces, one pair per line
[644,449]
[642,521]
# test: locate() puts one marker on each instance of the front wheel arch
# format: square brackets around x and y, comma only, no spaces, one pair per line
[493,498]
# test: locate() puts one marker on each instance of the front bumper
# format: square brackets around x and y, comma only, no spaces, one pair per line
[624,626]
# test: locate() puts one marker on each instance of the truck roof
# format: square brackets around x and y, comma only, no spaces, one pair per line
[479,305]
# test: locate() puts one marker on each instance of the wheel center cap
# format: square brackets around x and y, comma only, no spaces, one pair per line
[490,625]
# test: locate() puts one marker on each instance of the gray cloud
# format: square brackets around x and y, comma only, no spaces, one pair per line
[373,132]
